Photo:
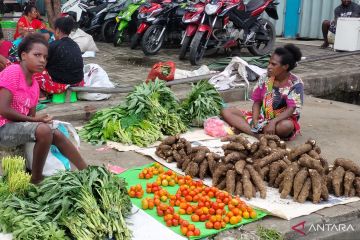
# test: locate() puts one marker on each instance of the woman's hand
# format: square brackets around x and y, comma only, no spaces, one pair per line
[45,118]
[270,128]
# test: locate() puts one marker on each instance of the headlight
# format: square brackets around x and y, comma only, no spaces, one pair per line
[210,9]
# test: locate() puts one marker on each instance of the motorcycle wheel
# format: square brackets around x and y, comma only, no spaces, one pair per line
[108,30]
[260,47]
[135,40]
[148,42]
[184,47]
[197,48]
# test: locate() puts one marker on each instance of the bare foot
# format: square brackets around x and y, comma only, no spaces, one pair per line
[324,45]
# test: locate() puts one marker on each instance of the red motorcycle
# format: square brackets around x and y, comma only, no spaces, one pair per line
[145,17]
[228,24]
[192,17]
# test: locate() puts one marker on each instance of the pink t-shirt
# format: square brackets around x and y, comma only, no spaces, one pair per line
[24,97]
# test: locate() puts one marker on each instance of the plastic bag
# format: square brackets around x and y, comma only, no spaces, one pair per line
[55,161]
[95,76]
[162,70]
[216,127]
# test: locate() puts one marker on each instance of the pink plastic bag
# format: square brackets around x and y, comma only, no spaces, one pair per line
[216,127]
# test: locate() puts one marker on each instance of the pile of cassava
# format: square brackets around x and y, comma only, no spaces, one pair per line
[300,172]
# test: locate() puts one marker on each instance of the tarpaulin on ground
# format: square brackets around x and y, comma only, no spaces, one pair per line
[273,204]
[132,178]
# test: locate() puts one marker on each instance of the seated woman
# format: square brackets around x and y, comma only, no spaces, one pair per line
[277,97]
[30,23]
[65,63]
[4,45]
[19,95]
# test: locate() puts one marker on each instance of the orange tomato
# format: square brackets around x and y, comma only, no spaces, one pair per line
[195,218]
[213,219]
[183,230]
[223,224]
[209,225]
[236,211]
[217,225]
[191,227]
[246,214]
[230,214]
[234,220]
[182,211]
[253,214]
[226,219]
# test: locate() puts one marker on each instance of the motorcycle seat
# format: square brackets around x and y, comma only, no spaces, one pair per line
[97,8]
[180,11]
[254,4]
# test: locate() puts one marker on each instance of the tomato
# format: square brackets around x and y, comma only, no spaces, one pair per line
[246,214]
[203,218]
[183,230]
[226,219]
[197,232]
[205,210]
[223,224]
[253,214]
[209,225]
[144,204]
[151,204]
[132,194]
[212,211]
[168,217]
[185,223]
[236,211]
[188,198]
[213,218]
[217,225]
[175,222]
[190,233]
[189,210]
[169,223]
[160,213]
[234,202]
[195,218]
[218,218]
[234,220]
[182,211]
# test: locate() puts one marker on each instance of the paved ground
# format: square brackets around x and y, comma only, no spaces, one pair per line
[127,67]
[334,125]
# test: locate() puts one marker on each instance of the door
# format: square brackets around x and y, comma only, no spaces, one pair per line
[292,16]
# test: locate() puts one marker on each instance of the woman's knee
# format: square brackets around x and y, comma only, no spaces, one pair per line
[59,136]
[229,112]
[43,133]
[284,128]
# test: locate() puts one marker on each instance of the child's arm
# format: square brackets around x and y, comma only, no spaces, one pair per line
[7,112]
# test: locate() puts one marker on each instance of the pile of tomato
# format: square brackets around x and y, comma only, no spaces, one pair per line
[149,172]
[214,207]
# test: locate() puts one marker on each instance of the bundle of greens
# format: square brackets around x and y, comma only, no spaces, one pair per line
[204,101]
[133,123]
[88,204]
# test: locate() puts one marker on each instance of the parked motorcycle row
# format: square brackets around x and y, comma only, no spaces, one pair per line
[196,27]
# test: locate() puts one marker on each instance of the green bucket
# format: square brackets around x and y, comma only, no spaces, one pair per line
[61,97]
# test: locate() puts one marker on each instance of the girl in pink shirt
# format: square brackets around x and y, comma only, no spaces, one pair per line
[19,95]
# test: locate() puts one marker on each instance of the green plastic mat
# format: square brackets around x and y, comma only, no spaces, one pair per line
[132,179]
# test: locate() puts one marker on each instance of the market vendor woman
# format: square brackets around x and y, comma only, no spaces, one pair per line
[19,95]
[277,97]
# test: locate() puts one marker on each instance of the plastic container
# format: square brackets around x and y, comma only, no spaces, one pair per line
[61,97]
[347,36]
[9,29]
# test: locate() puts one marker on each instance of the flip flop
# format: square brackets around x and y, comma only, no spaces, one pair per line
[40,107]
[44,100]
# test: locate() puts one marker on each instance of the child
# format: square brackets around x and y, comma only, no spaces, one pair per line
[19,95]
[65,63]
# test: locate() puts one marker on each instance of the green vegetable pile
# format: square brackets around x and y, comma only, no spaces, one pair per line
[148,113]
[204,101]
[151,111]
[88,204]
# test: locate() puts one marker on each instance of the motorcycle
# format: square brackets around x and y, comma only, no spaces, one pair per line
[229,24]
[83,11]
[191,18]
[165,25]
[126,22]
[146,13]
[108,25]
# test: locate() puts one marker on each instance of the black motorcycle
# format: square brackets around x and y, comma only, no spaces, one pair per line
[166,25]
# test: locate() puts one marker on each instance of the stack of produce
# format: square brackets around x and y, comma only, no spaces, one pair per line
[305,177]
[344,178]
[234,172]
[88,204]
[133,122]
[204,101]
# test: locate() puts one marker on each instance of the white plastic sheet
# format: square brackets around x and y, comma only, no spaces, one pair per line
[273,204]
